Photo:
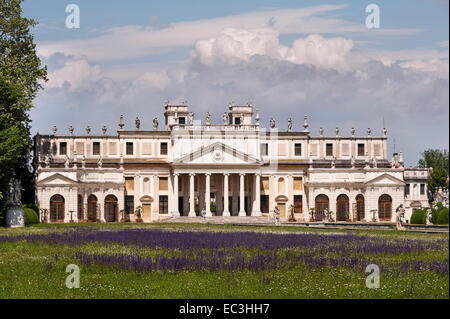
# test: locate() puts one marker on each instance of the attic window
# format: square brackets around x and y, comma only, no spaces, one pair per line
[63,148]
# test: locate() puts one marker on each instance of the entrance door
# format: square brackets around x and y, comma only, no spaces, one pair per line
[282,209]
[57,209]
[146,211]
[342,207]
[360,207]
[322,203]
[111,208]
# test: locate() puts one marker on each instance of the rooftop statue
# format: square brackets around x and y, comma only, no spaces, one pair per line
[289,124]
[138,124]
[225,118]
[272,123]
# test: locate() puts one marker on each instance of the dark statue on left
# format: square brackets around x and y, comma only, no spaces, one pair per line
[14,212]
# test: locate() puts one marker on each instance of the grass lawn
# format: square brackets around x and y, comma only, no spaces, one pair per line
[219,261]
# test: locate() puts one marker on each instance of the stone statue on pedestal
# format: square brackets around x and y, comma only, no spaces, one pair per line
[208,118]
[14,211]
[155,124]
[400,214]
[289,124]
[191,118]
[225,118]
[272,123]
[138,123]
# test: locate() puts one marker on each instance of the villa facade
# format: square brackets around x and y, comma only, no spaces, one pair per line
[235,168]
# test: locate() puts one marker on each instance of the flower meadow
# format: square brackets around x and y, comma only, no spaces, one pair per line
[261,255]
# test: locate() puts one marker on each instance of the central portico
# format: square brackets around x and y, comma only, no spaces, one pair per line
[220,173]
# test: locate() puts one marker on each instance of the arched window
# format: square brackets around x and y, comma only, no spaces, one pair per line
[322,202]
[92,208]
[80,208]
[111,208]
[57,209]
[360,209]
[342,207]
[385,207]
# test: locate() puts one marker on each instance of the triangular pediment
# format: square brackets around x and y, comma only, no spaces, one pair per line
[57,179]
[217,154]
[385,179]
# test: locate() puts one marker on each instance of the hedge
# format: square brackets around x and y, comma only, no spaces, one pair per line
[442,216]
[419,217]
[30,216]
[35,207]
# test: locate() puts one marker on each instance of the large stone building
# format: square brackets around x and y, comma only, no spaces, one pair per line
[236,168]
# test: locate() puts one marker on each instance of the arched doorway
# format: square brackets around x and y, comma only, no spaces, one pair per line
[322,202]
[57,209]
[342,208]
[111,208]
[92,208]
[360,209]
[385,207]
[80,208]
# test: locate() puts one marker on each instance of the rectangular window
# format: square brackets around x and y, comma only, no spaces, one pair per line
[237,120]
[407,189]
[422,189]
[63,148]
[265,184]
[329,150]
[182,120]
[129,150]
[96,148]
[265,204]
[163,183]
[298,184]
[298,149]
[129,184]
[264,149]
[163,150]
[163,204]
[361,150]
[129,204]
[298,204]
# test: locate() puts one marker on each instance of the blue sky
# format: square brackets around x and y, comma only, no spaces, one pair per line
[291,58]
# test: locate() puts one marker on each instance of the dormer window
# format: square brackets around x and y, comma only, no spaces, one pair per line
[182,120]
[237,121]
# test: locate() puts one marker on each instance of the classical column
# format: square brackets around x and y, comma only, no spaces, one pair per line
[176,211]
[257,208]
[191,195]
[226,210]
[208,195]
[85,204]
[242,195]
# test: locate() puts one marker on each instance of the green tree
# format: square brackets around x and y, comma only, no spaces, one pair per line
[19,62]
[13,137]
[438,179]
[21,77]
[434,158]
